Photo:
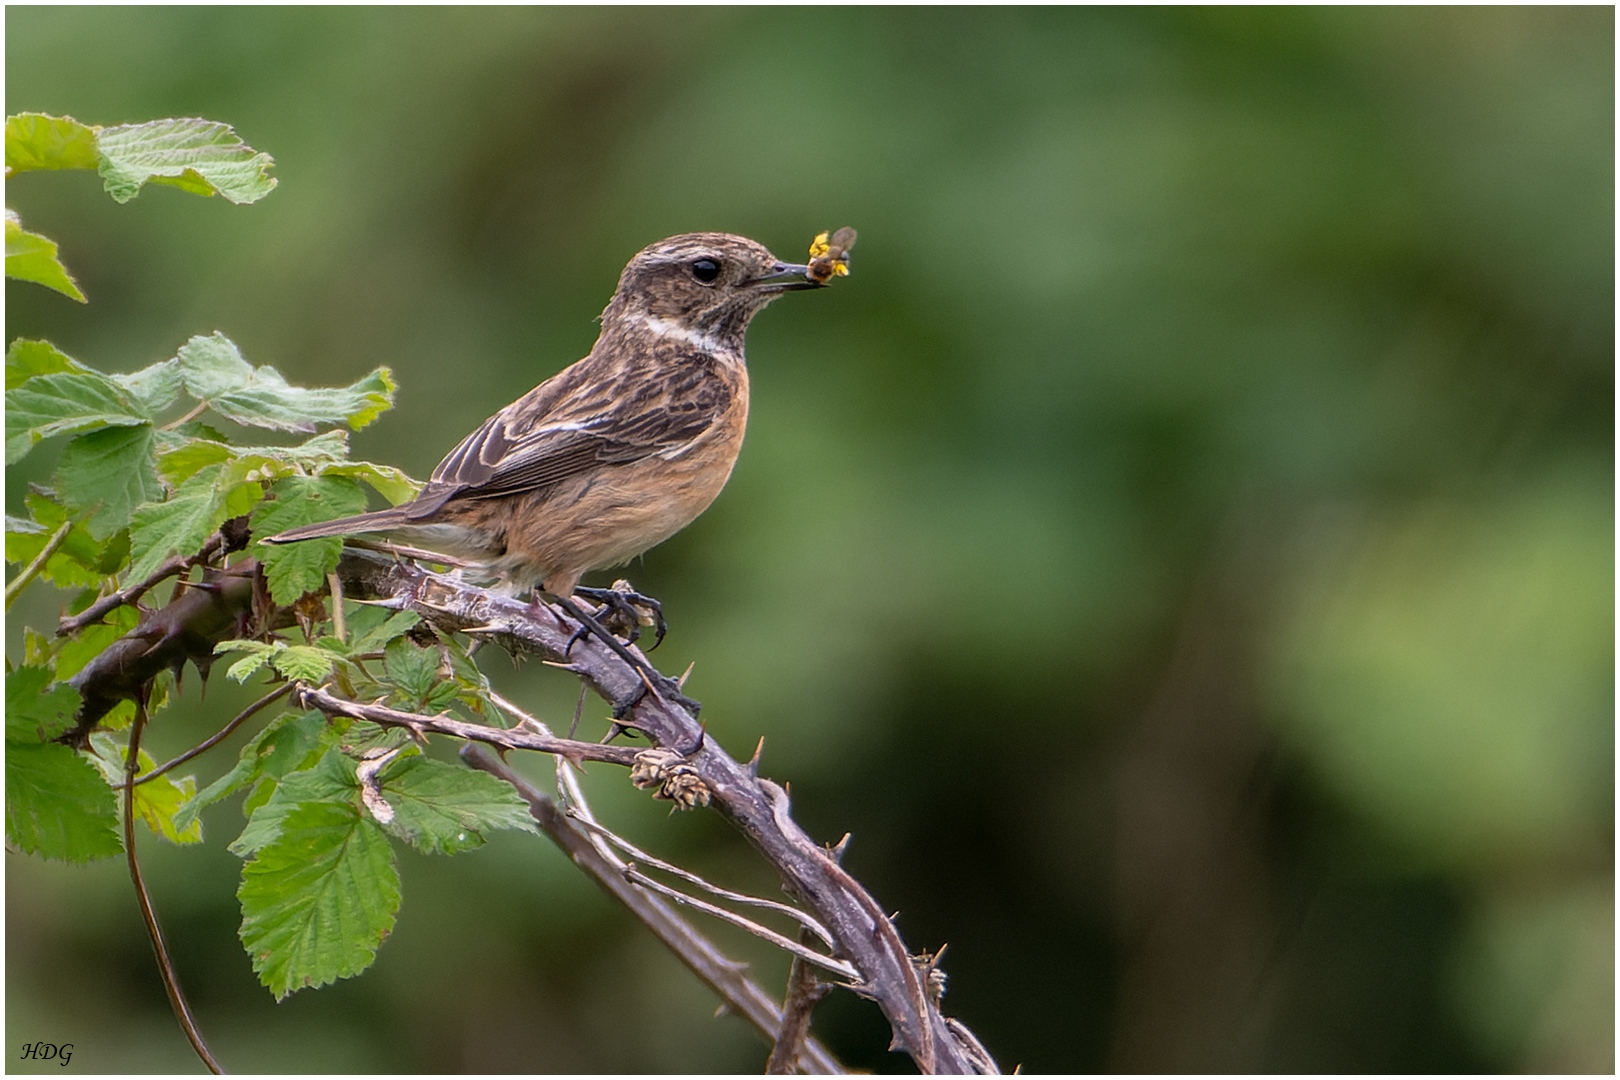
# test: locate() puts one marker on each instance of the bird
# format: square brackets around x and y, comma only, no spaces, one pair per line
[615,453]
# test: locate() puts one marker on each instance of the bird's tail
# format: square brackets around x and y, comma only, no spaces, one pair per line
[377,521]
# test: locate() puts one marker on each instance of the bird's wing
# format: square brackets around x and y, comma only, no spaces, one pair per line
[558,431]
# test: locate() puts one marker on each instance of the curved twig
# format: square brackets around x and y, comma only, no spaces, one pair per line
[171,981]
[72,624]
[215,739]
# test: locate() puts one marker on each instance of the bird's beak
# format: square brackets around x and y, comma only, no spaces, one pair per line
[785,277]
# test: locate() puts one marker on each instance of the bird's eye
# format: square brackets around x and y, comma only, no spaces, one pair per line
[706,271]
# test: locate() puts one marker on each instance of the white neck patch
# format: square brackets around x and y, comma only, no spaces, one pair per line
[665,329]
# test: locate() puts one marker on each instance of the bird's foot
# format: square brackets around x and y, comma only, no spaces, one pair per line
[651,677]
[626,610]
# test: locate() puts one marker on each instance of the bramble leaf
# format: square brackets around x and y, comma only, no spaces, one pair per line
[414,672]
[269,401]
[156,385]
[442,809]
[287,744]
[370,628]
[32,257]
[211,366]
[215,372]
[179,526]
[110,472]
[295,569]
[38,141]
[319,899]
[57,804]
[391,483]
[33,713]
[25,359]
[65,404]
[200,156]
[156,800]
[304,662]
[331,779]
[258,654]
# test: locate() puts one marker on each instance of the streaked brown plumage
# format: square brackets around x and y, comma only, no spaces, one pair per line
[619,451]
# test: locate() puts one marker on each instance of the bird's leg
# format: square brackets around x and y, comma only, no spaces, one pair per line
[668,688]
[627,609]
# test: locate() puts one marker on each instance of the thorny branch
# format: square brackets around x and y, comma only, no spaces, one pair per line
[758,808]
[724,976]
[864,935]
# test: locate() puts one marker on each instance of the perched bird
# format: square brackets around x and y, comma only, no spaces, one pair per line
[616,453]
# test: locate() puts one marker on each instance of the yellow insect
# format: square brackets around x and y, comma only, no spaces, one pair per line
[829,258]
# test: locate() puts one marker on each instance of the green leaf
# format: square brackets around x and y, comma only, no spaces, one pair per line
[180,464]
[32,257]
[318,901]
[65,404]
[156,800]
[269,401]
[258,654]
[371,627]
[304,662]
[33,713]
[37,141]
[260,463]
[199,156]
[57,804]
[76,563]
[155,386]
[391,483]
[25,359]
[331,779]
[442,809]
[179,526]
[109,472]
[295,569]
[212,365]
[289,743]
[413,670]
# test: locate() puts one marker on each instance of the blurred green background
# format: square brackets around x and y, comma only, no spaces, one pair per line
[1181,553]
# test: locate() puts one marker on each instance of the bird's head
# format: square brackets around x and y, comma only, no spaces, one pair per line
[705,285]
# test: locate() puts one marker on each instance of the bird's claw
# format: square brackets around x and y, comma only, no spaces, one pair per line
[625,608]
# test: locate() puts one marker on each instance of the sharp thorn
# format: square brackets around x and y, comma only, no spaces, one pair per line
[680,683]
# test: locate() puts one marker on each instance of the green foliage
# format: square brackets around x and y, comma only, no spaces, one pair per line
[319,898]
[133,489]
[50,405]
[307,663]
[292,742]
[199,156]
[442,809]
[105,474]
[56,804]
[31,257]
[156,800]
[295,569]
[33,713]
[37,141]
